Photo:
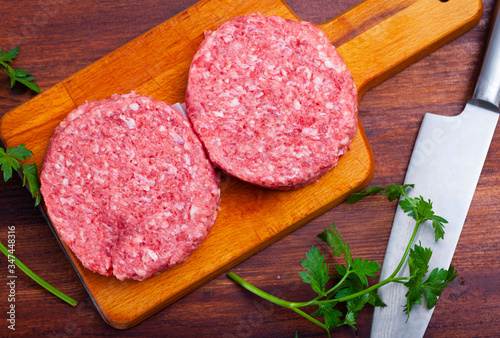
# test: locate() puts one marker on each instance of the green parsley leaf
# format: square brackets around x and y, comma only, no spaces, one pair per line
[10,160]
[16,75]
[418,263]
[336,242]
[30,175]
[425,210]
[408,205]
[413,295]
[352,284]
[393,192]
[431,288]
[7,164]
[317,271]
[20,152]
[421,211]
[362,194]
[10,55]
[22,77]
[363,268]
[438,225]
[358,303]
[353,307]
[350,317]
[375,300]
[435,284]
[418,260]
[332,316]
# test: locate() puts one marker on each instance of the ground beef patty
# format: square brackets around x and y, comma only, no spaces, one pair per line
[272,101]
[128,186]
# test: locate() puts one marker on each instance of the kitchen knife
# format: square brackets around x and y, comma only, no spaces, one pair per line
[445,166]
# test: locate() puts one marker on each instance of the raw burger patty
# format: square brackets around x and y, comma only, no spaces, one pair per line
[272,101]
[128,186]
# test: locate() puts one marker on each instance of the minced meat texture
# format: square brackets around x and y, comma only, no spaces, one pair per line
[272,101]
[128,187]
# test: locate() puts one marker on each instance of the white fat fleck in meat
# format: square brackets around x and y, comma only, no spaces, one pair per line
[306,70]
[137,239]
[318,80]
[309,131]
[193,211]
[329,64]
[296,104]
[129,121]
[234,102]
[345,141]
[177,138]
[218,113]
[152,254]
[171,170]
[134,106]
[140,272]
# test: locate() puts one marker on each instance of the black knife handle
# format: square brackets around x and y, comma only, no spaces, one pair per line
[488,83]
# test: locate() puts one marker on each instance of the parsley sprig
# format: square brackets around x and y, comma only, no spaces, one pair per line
[16,75]
[10,160]
[351,287]
[35,277]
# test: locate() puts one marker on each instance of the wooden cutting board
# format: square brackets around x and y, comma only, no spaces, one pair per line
[377,38]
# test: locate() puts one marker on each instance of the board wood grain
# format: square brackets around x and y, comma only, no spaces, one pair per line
[377,38]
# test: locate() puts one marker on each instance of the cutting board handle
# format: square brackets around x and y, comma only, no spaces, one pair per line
[379,38]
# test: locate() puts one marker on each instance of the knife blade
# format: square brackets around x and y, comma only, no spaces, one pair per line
[445,167]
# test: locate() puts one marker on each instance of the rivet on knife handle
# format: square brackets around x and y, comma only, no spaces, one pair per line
[488,83]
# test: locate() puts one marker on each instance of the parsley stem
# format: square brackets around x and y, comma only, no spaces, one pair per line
[408,247]
[362,292]
[37,279]
[258,291]
[339,284]
[295,305]
[276,300]
[303,314]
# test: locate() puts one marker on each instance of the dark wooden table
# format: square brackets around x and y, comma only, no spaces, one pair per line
[59,37]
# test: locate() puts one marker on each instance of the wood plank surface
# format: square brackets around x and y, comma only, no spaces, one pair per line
[219,306]
[250,218]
